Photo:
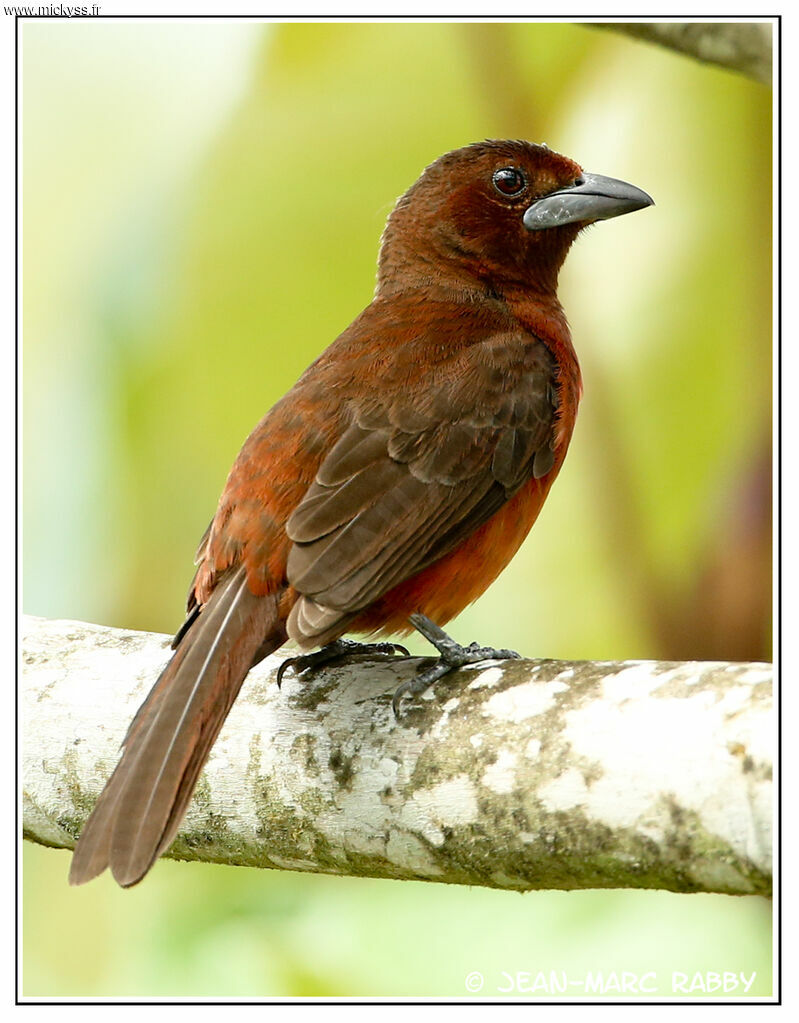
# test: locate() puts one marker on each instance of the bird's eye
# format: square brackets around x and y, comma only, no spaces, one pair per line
[509,181]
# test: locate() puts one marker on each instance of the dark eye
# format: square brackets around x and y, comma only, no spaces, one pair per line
[509,181]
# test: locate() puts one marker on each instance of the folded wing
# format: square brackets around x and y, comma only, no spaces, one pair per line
[413,476]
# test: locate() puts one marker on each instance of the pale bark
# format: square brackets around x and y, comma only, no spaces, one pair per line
[516,775]
[740,46]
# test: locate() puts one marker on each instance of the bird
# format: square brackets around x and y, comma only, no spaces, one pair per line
[391,484]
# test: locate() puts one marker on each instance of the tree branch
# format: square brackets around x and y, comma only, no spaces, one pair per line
[740,46]
[520,775]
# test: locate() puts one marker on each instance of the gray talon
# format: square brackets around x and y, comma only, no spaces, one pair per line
[453,656]
[336,651]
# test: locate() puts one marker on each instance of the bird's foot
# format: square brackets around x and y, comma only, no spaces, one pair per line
[453,656]
[337,651]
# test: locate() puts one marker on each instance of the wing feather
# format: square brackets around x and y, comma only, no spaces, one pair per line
[412,477]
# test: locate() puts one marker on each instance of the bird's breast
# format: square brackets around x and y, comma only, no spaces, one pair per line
[445,588]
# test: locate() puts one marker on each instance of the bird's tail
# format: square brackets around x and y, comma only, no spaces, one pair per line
[143,803]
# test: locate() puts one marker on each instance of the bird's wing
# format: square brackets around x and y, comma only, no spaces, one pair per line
[415,474]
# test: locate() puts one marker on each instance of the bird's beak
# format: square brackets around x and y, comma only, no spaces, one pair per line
[594,198]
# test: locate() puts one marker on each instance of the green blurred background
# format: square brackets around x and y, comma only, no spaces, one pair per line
[202,204]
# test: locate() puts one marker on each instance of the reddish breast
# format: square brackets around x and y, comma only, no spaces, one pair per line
[445,588]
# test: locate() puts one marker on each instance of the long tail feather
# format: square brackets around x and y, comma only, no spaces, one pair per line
[143,803]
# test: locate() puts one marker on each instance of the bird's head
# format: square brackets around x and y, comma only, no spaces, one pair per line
[498,214]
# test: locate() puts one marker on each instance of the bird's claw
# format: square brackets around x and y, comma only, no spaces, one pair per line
[488,653]
[336,651]
[453,656]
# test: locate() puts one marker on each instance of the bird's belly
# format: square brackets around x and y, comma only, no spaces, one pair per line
[445,588]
